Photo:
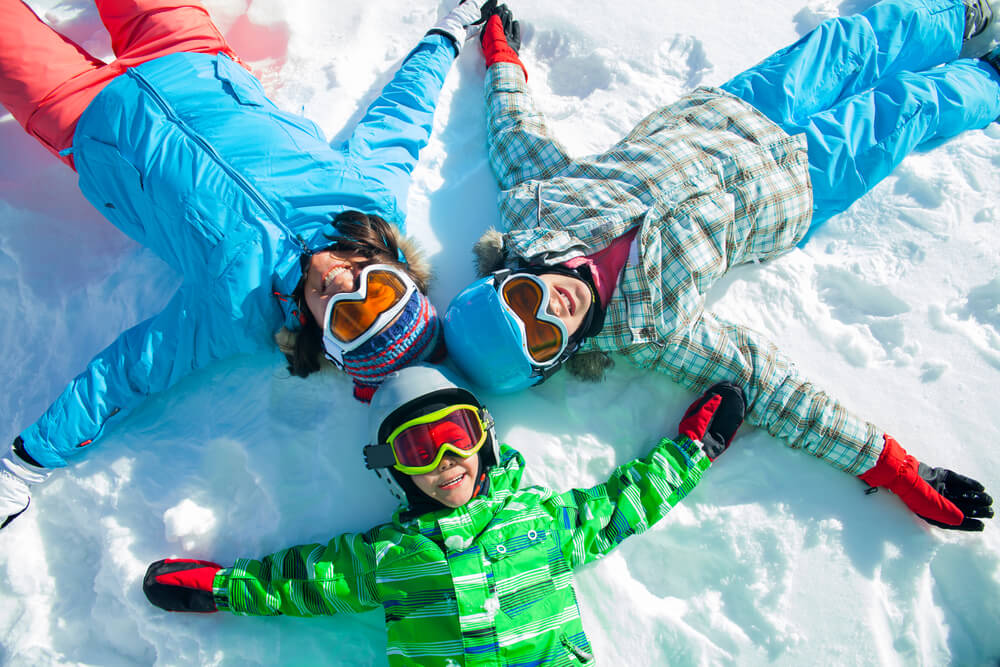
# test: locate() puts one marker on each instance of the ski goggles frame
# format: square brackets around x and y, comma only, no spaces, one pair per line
[402,448]
[357,308]
[540,329]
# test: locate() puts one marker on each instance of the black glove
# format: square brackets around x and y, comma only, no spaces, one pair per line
[714,418]
[967,494]
[511,28]
[181,585]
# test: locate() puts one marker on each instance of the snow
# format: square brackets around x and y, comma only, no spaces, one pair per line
[776,558]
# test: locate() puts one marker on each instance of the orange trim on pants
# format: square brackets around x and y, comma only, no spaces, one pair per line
[46,80]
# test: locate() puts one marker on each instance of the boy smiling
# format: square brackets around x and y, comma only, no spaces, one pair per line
[473,568]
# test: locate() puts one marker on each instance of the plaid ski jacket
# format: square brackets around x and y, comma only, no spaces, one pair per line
[489,583]
[710,183]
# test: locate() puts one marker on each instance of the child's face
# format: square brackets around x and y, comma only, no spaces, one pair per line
[452,482]
[569,299]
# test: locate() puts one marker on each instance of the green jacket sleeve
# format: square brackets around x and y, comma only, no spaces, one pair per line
[307,580]
[639,494]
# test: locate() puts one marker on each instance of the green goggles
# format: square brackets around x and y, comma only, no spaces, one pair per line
[418,445]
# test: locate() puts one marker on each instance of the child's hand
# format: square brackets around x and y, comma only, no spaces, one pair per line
[464,21]
[714,418]
[939,496]
[181,585]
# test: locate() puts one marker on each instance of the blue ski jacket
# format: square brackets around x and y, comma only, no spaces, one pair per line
[188,156]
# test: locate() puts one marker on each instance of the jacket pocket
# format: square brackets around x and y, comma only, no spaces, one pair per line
[526,567]
[596,212]
[113,185]
[239,83]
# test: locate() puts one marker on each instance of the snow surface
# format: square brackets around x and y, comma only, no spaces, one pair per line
[775,559]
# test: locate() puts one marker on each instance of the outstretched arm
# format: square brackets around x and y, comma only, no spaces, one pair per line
[791,408]
[186,335]
[148,358]
[637,495]
[640,493]
[520,145]
[307,580]
[779,399]
[397,125]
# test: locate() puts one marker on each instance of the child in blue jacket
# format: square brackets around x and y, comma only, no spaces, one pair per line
[274,230]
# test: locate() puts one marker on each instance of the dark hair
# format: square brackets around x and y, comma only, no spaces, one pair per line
[366,235]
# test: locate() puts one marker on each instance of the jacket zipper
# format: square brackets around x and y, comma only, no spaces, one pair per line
[245,185]
[577,652]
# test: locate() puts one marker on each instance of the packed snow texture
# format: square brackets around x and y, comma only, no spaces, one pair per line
[776,558]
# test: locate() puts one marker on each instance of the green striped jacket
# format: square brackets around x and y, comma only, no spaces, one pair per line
[710,183]
[489,583]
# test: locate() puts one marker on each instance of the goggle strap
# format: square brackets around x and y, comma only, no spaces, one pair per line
[336,357]
[379,456]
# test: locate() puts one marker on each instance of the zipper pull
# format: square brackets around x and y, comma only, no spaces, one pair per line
[577,652]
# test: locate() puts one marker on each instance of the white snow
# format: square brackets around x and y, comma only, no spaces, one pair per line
[775,559]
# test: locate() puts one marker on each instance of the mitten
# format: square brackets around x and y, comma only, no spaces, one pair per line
[937,495]
[462,22]
[16,477]
[714,418]
[501,39]
[178,584]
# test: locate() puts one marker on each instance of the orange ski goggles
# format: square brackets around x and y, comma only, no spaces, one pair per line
[352,318]
[544,336]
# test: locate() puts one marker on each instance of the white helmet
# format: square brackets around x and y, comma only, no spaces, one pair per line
[408,393]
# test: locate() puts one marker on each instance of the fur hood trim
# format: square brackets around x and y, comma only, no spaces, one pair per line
[589,366]
[414,256]
[489,253]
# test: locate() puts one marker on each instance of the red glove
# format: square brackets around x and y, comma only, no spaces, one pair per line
[937,495]
[714,418]
[501,39]
[181,584]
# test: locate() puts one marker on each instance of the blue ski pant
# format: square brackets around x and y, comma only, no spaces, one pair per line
[868,89]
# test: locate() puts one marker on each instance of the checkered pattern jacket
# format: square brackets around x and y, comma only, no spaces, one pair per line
[489,583]
[710,183]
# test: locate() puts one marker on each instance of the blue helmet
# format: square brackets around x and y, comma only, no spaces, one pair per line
[486,340]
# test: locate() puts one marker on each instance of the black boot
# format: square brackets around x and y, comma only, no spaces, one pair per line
[982,32]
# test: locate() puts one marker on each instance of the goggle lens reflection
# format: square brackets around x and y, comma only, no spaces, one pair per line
[524,295]
[353,316]
[419,444]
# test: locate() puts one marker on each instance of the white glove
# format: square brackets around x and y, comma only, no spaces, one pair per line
[461,23]
[16,475]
